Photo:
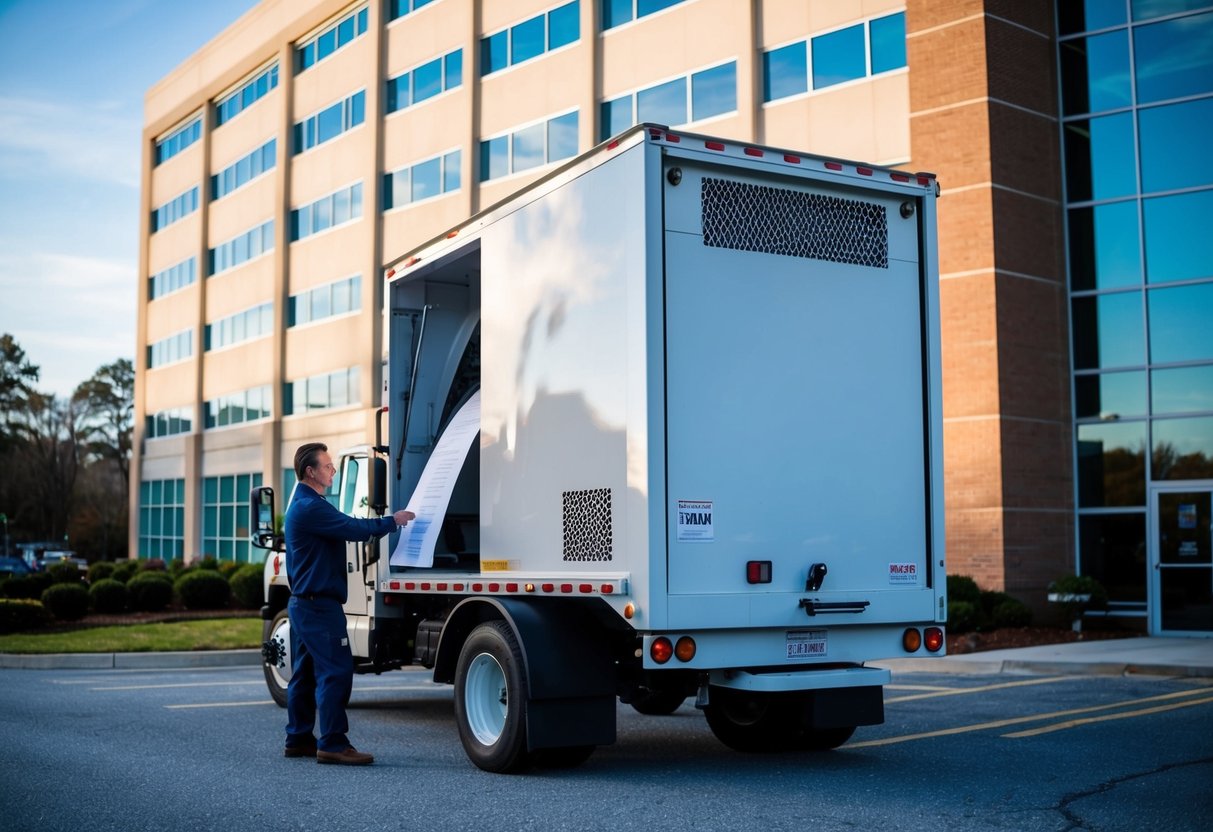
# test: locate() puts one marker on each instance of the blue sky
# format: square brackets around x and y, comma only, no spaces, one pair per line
[73,74]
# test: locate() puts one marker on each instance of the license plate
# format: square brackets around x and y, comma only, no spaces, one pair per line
[806,644]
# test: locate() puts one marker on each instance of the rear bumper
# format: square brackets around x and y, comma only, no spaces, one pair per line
[800,680]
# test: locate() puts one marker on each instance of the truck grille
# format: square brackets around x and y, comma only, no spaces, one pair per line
[747,217]
[587,524]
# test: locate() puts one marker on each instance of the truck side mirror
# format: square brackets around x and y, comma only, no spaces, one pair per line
[378,485]
[261,518]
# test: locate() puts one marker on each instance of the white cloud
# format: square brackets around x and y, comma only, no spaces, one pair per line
[94,140]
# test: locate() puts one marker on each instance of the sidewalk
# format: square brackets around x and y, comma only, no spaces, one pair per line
[1110,657]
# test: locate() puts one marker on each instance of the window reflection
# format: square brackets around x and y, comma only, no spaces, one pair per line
[1182,390]
[1104,248]
[664,104]
[1181,323]
[714,91]
[1110,395]
[785,71]
[1100,162]
[1145,9]
[838,57]
[1112,550]
[1089,15]
[1096,73]
[1183,449]
[1174,58]
[1108,331]
[1175,146]
[1112,464]
[1177,229]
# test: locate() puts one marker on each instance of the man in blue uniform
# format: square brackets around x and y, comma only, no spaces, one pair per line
[322,672]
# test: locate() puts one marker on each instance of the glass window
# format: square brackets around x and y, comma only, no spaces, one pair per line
[1088,15]
[1100,160]
[494,53]
[320,303]
[644,7]
[454,69]
[427,80]
[494,158]
[1174,58]
[616,12]
[1110,395]
[328,124]
[357,108]
[341,297]
[1183,449]
[451,171]
[527,40]
[427,177]
[1175,146]
[528,149]
[1112,550]
[1145,9]
[839,57]
[398,93]
[888,35]
[1182,390]
[1105,252]
[338,389]
[785,71]
[562,137]
[1176,227]
[1181,323]
[616,116]
[322,214]
[1108,331]
[564,25]
[341,206]
[714,91]
[1095,73]
[1112,464]
[664,104]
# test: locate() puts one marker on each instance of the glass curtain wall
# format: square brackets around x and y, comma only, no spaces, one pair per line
[1137,113]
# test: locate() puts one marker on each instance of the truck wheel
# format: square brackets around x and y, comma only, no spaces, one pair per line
[276,655]
[657,702]
[490,695]
[747,721]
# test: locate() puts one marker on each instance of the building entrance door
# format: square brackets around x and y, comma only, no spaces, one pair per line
[1181,592]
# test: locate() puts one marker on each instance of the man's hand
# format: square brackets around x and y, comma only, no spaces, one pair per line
[403,517]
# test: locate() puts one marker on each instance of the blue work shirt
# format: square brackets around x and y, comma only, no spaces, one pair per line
[315,543]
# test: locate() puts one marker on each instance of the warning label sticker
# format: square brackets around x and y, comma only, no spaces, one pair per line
[695,521]
[903,573]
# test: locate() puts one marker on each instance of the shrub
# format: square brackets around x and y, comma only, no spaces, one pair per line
[207,562]
[962,616]
[151,565]
[963,588]
[229,568]
[17,614]
[109,596]
[176,566]
[1011,613]
[28,587]
[124,570]
[67,602]
[203,589]
[101,570]
[248,585]
[150,591]
[64,573]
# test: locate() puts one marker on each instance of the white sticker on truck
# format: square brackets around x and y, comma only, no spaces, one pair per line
[695,521]
[903,573]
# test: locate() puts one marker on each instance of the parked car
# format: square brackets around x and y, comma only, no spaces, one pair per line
[49,559]
[13,566]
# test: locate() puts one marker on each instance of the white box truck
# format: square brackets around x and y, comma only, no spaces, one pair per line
[670,420]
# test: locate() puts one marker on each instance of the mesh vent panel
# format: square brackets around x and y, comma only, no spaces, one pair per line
[748,217]
[587,524]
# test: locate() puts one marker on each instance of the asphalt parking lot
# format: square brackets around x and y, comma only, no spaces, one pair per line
[201,749]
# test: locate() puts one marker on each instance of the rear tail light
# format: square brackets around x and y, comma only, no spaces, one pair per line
[911,640]
[758,571]
[661,649]
[685,649]
[934,639]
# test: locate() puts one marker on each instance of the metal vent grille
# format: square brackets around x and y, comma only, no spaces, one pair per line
[748,217]
[587,524]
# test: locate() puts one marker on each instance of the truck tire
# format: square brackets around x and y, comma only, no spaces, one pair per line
[756,722]
[276,655]
[490,698]
[657,702]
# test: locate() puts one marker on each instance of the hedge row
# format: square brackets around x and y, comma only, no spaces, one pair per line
[973,608]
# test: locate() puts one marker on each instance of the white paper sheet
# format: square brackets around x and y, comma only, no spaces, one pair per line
[433,493]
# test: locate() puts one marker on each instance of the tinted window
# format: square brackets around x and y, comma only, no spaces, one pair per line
[1113,552]
[1145,9]
[528,147]
[451,171]
[616,116]
[562,137]
[427,81]
[1175,143]
[494,53]
[1104,248]
[616,12]
[1112,464]
[1108,331]
[454,69]
[1174,58]
[1109,395]
[1086,15]
[785,71]
[664,104]
[1181,323]
[888,36]
[1177,229]
[1095,72]
[427,179]
[714,91]
[494,158]
[328,124]
[1183,449]
[838,57]
[564,25]
[644,7]
[1182,390]
[398,93]
[1100,162]
[526,40]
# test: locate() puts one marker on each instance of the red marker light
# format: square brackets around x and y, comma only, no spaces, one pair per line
[714,145]
[934,639]
[758,571]
[661,650]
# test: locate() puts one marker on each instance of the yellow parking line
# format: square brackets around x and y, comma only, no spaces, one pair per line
[181,685]
[959,691]
[220,704]
[1074,723]
[1019,720]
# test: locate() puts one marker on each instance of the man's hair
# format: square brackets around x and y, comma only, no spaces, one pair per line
[306,457]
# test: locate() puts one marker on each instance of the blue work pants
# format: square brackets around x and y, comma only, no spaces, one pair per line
[322,674]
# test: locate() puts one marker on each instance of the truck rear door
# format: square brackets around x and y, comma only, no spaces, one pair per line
[796,398]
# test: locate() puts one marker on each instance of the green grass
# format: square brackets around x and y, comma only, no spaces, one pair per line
[211,634]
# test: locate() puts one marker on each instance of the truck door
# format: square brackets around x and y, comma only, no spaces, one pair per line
[795,388]
[354,501]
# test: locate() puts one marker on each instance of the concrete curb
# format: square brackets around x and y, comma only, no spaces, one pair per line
[130,661]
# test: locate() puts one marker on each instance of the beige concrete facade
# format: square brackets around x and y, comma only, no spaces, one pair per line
[927,107]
